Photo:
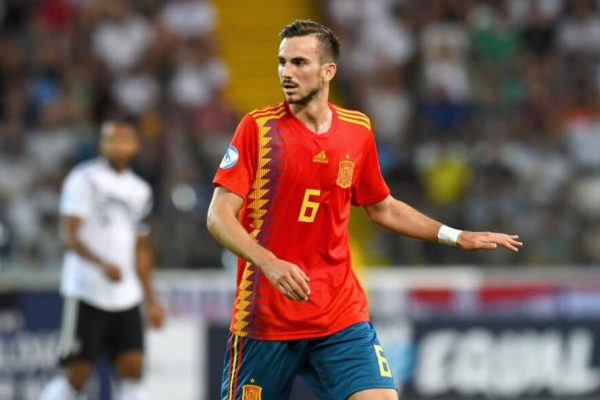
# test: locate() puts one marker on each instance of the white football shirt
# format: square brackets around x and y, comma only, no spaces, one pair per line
[113,207]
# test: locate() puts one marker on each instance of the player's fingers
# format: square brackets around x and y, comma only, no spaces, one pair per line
[296,288]
[283,289]
[287,291]
[298,292]
[302,283]
[509,242]
[512,246]
[303,275]
[516,243]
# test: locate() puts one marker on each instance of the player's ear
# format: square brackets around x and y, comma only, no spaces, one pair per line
[329,70]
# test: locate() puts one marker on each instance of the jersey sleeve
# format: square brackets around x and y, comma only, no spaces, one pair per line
[143,225]
[370,187]
[76,196]
[238,168]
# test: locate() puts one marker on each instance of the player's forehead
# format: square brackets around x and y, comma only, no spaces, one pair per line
[299,46]
[118,132]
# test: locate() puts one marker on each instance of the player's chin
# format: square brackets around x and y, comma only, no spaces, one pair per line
[292,98]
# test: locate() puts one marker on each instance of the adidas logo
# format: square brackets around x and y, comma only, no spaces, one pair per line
[320,157]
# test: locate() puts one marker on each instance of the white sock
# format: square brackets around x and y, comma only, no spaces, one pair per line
[131,389]
[59,388]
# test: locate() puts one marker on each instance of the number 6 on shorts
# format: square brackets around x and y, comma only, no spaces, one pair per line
[384,366]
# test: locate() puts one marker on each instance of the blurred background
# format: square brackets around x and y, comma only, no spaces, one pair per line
[487,117]
[487,113]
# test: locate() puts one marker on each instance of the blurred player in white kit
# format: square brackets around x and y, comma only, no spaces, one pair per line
[106,281]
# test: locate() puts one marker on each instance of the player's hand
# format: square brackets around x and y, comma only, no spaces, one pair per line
[111,271]
[156,315]
[468,240]
[288,279]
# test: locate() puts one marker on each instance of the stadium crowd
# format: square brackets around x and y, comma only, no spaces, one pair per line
[487,115]
[65,66]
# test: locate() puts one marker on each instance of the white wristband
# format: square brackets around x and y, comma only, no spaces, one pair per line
[447,235]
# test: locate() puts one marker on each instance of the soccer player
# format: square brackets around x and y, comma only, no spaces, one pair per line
[107,269]
[281,203]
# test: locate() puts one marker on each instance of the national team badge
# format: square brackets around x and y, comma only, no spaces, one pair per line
[344,179]
[230,158]
[251,392]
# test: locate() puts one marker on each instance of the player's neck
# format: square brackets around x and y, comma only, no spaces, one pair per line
[117,167]
[316,115]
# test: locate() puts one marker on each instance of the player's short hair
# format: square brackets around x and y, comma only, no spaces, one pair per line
[330,46]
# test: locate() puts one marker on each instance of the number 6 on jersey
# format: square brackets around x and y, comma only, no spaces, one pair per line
[309,208]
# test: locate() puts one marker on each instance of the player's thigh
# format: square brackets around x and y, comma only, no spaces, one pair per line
[256,369]
[125,343]
[348,362]
[82,334]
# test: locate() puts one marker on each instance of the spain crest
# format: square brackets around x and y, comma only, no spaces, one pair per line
[344,178]
[251,392]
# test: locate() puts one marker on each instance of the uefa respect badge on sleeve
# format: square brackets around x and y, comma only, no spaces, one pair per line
[230,158]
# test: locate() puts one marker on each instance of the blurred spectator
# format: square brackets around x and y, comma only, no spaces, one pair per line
[445,172]
[136,92]
[189,18]
[213,124]
[121,37]
[494,37]
[580,31]
[198,75]
[539,32]
[388,104]
[582,130]
[521,10]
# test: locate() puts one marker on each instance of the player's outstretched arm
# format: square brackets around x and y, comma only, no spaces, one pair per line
[403,219]
[222,222]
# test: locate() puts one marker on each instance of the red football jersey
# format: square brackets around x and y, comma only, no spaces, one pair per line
[298,188]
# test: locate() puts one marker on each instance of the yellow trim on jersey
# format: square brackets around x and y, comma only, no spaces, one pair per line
[351,112]
[265,111]
[269,107]
[355,117]
[356,122]
[278,113]
[233,367]
[239,324]
[265,116]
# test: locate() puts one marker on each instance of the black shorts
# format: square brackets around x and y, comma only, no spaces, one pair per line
[88,332]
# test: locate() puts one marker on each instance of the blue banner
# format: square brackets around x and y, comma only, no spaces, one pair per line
[505,359]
